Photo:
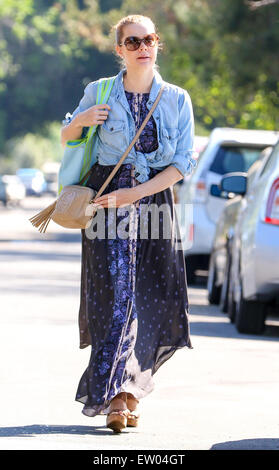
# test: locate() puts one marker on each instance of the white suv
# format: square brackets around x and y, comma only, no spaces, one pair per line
[228,150]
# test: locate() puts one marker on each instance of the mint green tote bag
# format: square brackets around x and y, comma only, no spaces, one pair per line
[78,156]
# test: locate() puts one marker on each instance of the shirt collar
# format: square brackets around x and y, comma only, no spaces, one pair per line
[155,87]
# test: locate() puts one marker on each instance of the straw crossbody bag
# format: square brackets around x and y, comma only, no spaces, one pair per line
[70,209]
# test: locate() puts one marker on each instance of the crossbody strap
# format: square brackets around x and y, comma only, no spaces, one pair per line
[131,144]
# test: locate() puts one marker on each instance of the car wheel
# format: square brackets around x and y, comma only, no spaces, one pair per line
[231,301]
[213,290]
[249,315]
[225,287]
[231,304]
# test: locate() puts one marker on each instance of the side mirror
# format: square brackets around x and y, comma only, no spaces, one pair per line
[215,190]
[235,182]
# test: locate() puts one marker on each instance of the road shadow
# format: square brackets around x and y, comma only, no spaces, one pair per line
[200,281]
[217,330]
[224,329]
[222,326]
[38,429]
[60,237]
[63,237]
[39,255]
[248,444]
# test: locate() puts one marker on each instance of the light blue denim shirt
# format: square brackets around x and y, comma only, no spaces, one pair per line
[174,121]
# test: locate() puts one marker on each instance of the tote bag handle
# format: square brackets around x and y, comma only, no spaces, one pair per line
[103,93]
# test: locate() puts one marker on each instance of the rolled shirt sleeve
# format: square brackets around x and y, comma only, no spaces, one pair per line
[86,102]
[183,158]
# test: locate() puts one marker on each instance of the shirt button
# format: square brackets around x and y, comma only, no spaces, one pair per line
[111,128]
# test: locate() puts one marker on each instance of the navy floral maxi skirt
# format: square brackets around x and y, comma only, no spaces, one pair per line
[133,297]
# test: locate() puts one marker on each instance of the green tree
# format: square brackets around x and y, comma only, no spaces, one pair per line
[224,53]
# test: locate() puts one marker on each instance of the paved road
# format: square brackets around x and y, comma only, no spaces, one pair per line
[223,394]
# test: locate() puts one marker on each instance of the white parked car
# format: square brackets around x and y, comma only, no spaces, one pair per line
[200,142]
[12,190]
[33,180]
[51,170]
[228,150]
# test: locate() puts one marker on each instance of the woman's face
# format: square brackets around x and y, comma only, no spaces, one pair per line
[134,59]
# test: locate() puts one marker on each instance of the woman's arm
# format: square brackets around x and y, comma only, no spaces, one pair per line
[126,196]
[93,116]
[182,162]
[159,182]
[86,114]
[71,131]
[183,158]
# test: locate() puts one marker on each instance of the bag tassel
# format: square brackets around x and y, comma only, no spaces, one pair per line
[43,218]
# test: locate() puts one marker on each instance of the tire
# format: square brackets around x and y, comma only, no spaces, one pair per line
[231,305]
[249,315]
[213,290]
[231,301]
[225,287]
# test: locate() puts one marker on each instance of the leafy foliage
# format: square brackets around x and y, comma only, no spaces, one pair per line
[224,53]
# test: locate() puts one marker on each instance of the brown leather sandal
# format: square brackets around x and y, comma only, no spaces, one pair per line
[133,419]
[117,419]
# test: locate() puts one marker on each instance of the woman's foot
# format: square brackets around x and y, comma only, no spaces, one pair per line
[133,417]
[119,402]
[118,413]
[132,402]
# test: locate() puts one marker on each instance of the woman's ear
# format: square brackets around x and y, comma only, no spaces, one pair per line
[118,50]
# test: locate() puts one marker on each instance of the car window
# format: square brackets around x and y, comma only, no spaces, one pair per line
[271,160]
[233,158]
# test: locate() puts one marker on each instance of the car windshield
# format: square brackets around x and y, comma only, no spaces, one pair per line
[234,158]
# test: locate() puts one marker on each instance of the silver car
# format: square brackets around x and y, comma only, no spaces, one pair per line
[254,272]
[221,254]
[228,150]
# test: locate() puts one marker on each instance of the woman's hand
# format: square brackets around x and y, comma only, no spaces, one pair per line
[97,114]
[119,198]
[92,116]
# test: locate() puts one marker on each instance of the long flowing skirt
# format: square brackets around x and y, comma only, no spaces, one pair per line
[133,296]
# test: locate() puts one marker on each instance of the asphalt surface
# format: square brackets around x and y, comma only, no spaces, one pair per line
[223,394]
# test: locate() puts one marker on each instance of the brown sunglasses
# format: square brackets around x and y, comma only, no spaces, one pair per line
[132,43]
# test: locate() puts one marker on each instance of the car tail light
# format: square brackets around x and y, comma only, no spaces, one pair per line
[272,206]
[191,233]
[200,191]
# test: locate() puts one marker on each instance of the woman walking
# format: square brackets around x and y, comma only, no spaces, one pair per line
[133,298]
